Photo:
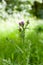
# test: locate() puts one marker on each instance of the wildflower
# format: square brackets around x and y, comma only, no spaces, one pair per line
[21,23]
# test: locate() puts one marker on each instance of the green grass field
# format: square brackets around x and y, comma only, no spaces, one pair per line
[14,52]
[21,45]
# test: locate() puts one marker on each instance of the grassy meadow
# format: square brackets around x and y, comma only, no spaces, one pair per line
[12,49]
[21,46]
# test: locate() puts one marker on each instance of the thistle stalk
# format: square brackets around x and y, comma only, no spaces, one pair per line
[22,28]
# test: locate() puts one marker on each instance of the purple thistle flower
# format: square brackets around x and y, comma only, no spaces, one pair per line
[21,23]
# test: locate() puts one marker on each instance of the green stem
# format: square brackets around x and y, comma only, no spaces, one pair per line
[23,37]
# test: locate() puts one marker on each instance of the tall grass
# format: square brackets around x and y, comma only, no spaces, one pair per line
[14,52]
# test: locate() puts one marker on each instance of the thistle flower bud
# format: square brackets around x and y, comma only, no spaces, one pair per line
[20,29]
[21,23]
[27,22]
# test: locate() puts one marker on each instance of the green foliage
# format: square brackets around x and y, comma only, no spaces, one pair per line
[23,46]
[12,3]
[37,9]
[14,52]
[0,0]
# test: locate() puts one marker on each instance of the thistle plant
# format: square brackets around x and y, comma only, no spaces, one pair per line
[22,28]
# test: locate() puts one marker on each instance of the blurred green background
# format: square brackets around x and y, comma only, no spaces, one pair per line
[12,50]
